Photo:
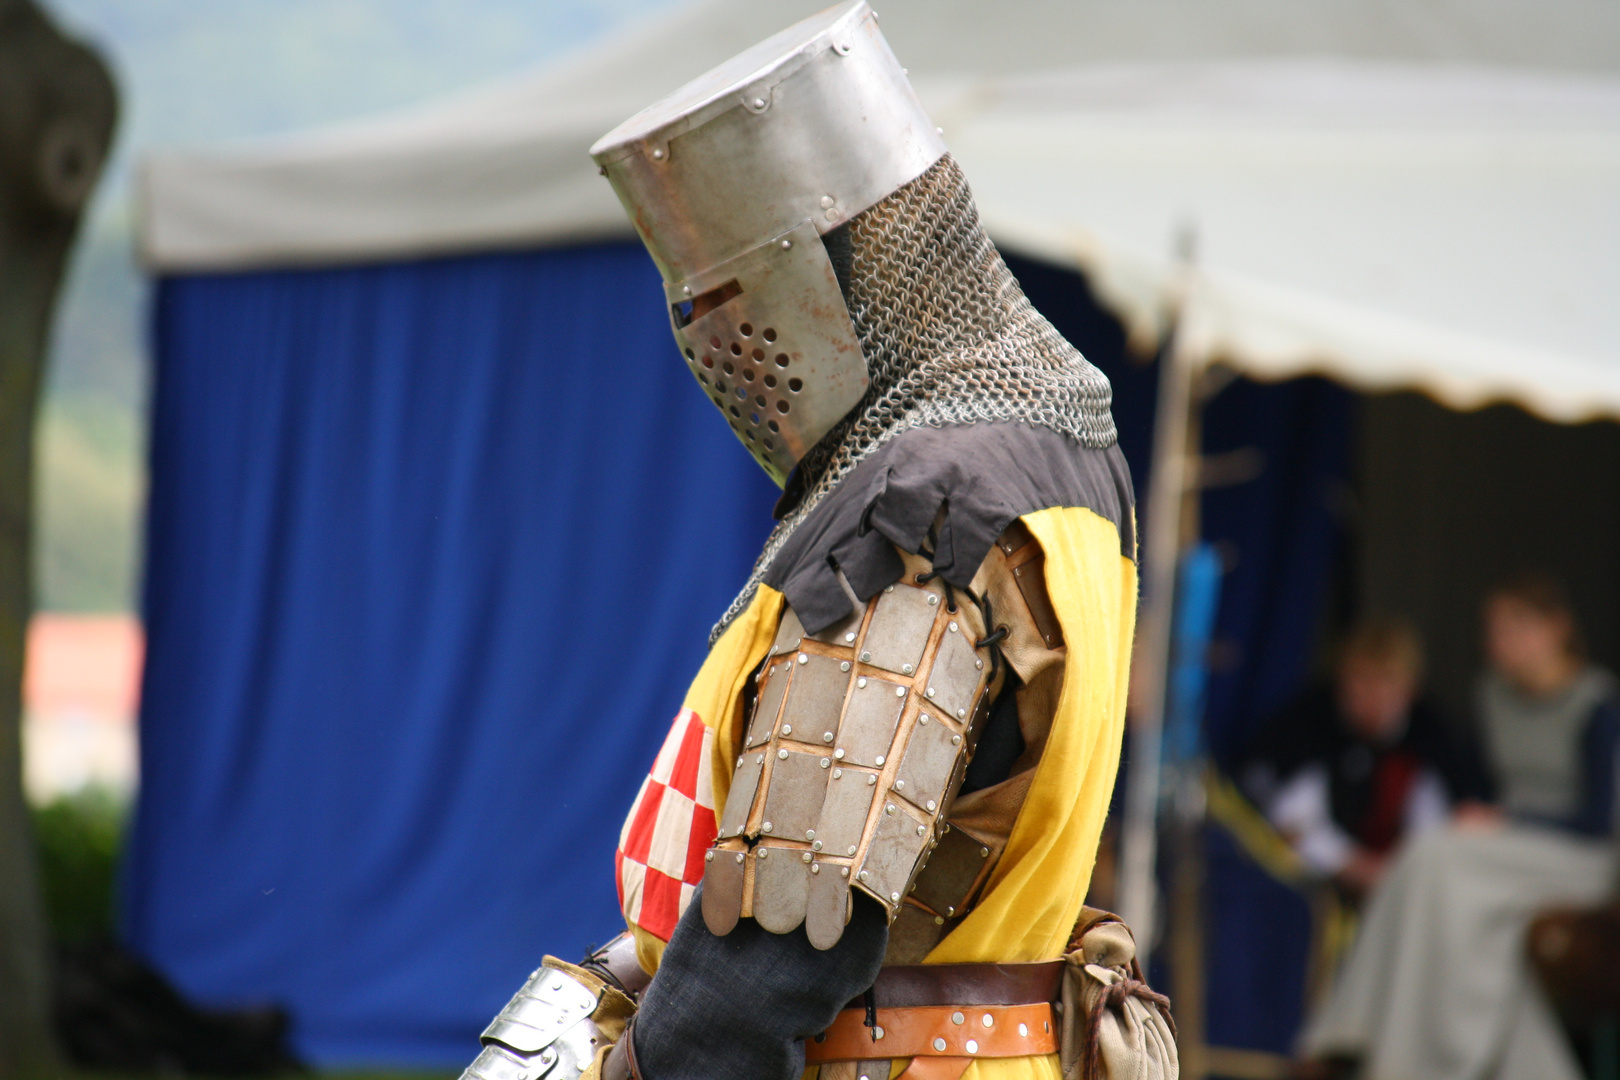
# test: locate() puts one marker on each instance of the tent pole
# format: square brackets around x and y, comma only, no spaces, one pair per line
[1162,545]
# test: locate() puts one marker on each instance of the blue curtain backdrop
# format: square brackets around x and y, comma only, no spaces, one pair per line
[433,551]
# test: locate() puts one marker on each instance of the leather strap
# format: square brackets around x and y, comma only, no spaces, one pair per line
[620,1062]
[911,985]
[938,1031]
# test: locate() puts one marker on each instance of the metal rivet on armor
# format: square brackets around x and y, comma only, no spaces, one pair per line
[759,103]
[1023,1031]
[950,911]
[877,1033]
[930,691]
[899,691]
[762,852]
[879,761]
[815,868]
[860,683]
[899,785]
[826,762]
[708,856]
[961,714]
[826,736]
[939,1044]
[866,658]
[816,846]
[889,589]
[803,659]
[787,245]
[658,155]
[972,1046]
[906,669]
[863,875]
[953,628]
[782,754]
[987,1020]
[922,830]
[932,600]
[837,773]
[845,872]
[894,898]
[843,666]
[931,806]
[806,856]
[889,809]
[765,827]
[939,920]
[827,201]
[956,740]
[957,1018]
[739,856]
[839,753]
[787,729]
[979,664]
[922,719]
[760,760]
[984,853]
[871,779]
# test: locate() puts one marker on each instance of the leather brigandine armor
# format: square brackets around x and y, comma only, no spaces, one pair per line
[857,743]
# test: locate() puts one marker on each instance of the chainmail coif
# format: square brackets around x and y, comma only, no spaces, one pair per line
[949,338]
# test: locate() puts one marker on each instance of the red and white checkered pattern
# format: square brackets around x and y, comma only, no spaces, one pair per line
[670,827]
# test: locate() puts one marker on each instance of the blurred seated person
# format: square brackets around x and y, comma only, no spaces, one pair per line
[1437,984]
[1349,769]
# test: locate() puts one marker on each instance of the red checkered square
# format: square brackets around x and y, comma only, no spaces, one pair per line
[670,827]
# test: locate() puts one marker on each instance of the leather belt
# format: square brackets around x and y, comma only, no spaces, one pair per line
[906,985]
[944,1016]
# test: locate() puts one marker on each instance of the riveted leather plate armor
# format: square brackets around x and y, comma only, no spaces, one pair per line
[858,741]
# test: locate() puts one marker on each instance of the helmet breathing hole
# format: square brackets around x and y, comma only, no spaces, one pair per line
[690,355]
[736,412]
[702,378]
[728,368]
[746,330]
[769,335]
[781,359]
[795,385]
[760,400]
[773,425]
[753,418]
[714,343]
[748,374]
[770,381]
[708,361]
[736,349]
[759,354]
[742,393]
[720,385]
[782,406]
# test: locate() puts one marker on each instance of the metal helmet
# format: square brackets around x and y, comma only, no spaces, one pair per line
[732,181]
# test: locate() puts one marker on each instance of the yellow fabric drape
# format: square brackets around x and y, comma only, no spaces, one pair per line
[1035,894]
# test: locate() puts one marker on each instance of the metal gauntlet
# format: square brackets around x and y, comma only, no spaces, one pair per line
[560,1020]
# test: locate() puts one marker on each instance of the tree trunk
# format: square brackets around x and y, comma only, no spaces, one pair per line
[57,110]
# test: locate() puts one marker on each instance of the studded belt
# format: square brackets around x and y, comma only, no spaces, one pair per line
[942,1016]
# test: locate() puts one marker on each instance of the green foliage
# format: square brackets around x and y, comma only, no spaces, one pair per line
[79,838]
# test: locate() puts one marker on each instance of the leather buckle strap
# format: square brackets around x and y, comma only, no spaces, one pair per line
[938,1031]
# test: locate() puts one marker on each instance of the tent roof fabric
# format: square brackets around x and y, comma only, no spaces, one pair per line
[1396,194]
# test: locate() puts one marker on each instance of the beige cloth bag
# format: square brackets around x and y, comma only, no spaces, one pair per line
[1115,1027]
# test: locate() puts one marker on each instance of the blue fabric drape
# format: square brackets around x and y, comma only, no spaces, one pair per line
[433,551]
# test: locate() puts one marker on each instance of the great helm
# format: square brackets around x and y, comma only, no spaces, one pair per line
[732,181]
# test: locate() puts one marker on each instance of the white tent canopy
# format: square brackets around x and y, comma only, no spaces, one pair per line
[1421,194]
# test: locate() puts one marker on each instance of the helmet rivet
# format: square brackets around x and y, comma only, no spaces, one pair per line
[827,202]
[658,155]
[787,245]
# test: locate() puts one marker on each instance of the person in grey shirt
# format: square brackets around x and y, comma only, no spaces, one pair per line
[1437,984]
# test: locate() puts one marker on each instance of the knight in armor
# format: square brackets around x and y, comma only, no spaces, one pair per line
[866,843]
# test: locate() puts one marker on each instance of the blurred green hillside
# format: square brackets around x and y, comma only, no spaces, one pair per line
[197,73]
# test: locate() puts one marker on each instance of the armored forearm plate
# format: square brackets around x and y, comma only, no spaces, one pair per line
[546,1030]
[856,746]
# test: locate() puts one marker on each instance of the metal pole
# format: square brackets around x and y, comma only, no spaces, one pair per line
[1161,551]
